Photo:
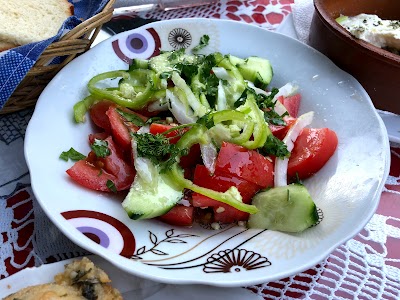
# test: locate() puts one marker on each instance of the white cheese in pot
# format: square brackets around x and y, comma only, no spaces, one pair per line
[370,28]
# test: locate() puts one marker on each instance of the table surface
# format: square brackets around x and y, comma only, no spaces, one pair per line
[365,267]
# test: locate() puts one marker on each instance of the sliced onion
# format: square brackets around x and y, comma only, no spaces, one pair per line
[158,105]
[287,90]
[179,110]
[209,155]
[144,129]
[221,98]
[144,167]
[221,73]
[184,202]
[256,89]
[281,165]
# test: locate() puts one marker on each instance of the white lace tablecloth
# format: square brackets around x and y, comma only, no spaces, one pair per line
[365,267]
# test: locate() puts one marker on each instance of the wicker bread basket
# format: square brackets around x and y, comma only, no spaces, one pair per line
[72,44]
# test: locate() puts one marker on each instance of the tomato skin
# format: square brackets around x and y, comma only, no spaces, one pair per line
[90,176]
[121,128]
[220,183]
[280,131]
[222,212]
[98,136]
[94,172]
[312,149]
[292,104]
[246,164]
[227,214]
[157,128]
[98,114]
[193,157]
[179,215]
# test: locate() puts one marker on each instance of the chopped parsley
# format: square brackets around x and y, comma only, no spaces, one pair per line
[204,40]
[175,54]
[274,146]
[72,154]
[158,149]
[100,148]
[272,117]
[111,186]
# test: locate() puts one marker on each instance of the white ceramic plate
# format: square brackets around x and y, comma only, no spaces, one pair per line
[130,286]
[347,189]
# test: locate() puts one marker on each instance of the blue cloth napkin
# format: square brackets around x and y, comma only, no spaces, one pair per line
[15,63]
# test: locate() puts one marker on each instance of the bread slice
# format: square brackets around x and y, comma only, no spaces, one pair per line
[27,21]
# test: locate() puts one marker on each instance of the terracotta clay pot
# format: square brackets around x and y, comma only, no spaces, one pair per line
[376,69]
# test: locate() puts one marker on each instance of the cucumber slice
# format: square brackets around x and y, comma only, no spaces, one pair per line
[236,60]
[257,70]
[165,62]
[146,201]
[138,63]
[287,208]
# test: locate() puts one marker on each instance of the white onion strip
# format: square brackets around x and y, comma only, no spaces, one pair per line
[178,109]
[221,97]
[221,73]
[281,165]
[209,155]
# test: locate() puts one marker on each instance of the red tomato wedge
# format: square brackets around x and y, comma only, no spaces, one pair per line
[292,104]
[280,131]
[179,215]
[156,128]
[312,149]
[98,114]
[98,136]
[227,214]
[121,128]
[94,172]
[220,183]
[246,164]
[222,213]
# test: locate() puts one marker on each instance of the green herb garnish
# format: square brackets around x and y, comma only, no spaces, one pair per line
[111,186]
[72,154]
[274,146]
[158,149]
[204,40]
[100,148]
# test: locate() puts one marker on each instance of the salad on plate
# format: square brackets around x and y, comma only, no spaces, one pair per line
[191,137]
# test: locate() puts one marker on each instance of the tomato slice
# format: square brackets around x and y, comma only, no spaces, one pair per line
[222,212]
[121,128]
[220,183]
[98,114]
[227,214]
[98,136]
[312,149]
[157,128]
[179,215]
[292,104]
[94,172]
[280,131]
[246,164]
